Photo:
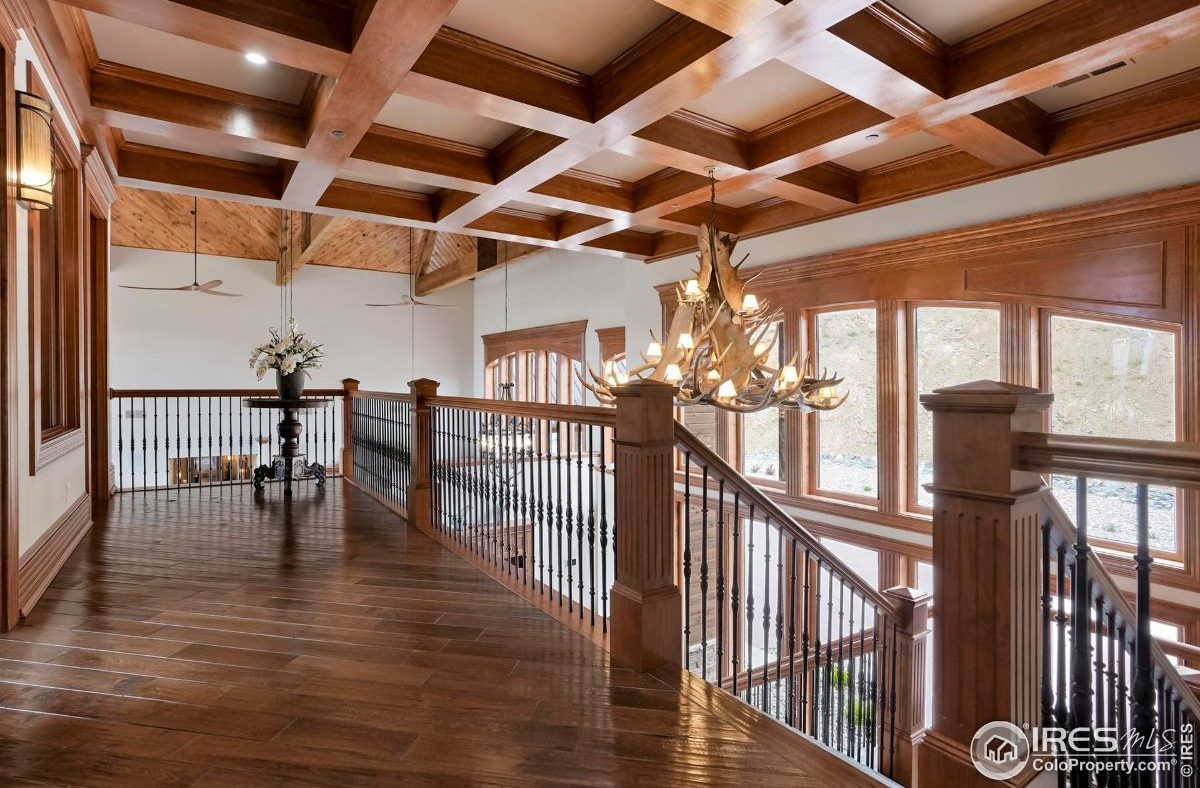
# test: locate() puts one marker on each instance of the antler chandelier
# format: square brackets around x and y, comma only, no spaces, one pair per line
[720,343]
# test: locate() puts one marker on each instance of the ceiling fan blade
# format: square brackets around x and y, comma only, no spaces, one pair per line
[211,283]
[402,303]
[436,306]
[219,293]
[137,287]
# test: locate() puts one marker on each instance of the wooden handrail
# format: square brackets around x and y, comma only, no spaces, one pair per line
[1063,529]
[1123,459]
[127,393]
[388,395]
[1184,651]
[578,414]
[686,440]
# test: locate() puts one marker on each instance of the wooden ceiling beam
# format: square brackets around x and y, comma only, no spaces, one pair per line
[306,34]
[1167,107]
[671,67]
[424,159]
[484,78]
[147,167]
[131,98]
[345,108]
[319,230]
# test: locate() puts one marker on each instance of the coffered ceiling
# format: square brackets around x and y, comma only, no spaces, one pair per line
[588,124]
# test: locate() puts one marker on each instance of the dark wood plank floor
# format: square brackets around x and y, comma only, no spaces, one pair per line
[224,641]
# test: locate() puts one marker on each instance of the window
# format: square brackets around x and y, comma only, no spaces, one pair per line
[950,345]
[1114,380]
[863,560]
[846,439]
[55,314]
[762,432]
[543,364]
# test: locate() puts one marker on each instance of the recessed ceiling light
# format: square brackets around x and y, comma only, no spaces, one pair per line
[338,134]
[256,58]
[872,137]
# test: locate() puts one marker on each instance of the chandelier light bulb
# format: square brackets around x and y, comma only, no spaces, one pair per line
[749,304]
[654,352]
[826,394]
[692,291]
[727,390]
[673,374]
[714,375]
[685,341]
[789,375]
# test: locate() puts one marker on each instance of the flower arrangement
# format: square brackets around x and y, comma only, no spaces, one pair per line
[286,352]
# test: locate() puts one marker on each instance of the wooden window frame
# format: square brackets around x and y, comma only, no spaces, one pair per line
[562,343]
[912,393]
[50,443]
[813,421]
[611,341]
[737,429]
[1046,365]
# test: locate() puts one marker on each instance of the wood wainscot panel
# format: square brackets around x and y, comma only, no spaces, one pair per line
[46,556]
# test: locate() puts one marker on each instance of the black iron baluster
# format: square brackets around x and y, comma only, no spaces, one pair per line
[579,510]
[766,613]
[1113,700]
[791,636]
[805,723]
[570,525]
[750,604]
[1081,675]
[817,675]
[827,700]
[591,521]
[155,428]
[892,706]
[720,601]
[687,555]
[861,713]
[1098,665]
[1060,703]
[779,620]
[704,569]
[1143,690]
[558,503]
[735,591]
[145,474]
[121,444]
[840,708]
[847,706]
[604,443]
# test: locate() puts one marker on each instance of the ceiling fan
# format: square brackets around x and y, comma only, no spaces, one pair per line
[408,300]
[207,288]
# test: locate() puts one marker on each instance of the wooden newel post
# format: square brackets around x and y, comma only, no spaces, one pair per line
[647,604]
[911,644]
[349,385]
[420,486]
[987,575]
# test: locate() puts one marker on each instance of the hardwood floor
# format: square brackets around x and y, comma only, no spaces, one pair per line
[228,641]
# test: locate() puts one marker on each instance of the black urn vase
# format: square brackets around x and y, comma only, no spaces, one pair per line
[290,386]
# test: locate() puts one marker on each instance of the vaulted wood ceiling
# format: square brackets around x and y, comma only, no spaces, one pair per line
[589,124]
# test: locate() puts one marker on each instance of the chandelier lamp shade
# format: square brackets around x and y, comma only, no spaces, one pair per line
[35,152]
[720,343]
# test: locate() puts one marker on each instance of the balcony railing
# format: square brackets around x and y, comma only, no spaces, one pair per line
[166,439]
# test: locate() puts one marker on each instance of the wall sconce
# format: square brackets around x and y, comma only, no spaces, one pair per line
[35,152]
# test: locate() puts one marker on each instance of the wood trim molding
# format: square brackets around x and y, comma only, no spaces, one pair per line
[43,560]
[612,342]
[564,338]
[9,374]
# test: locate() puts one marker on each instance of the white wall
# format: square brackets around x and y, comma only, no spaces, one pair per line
[44,497]
[558,286]
[186,340]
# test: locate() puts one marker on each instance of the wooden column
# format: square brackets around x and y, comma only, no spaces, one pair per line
[911,644]
[647,604]
[1018,344]
[987,566]
[348,385]
[892,389]
[420,483]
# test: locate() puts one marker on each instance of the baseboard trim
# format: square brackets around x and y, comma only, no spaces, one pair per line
[46,557]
